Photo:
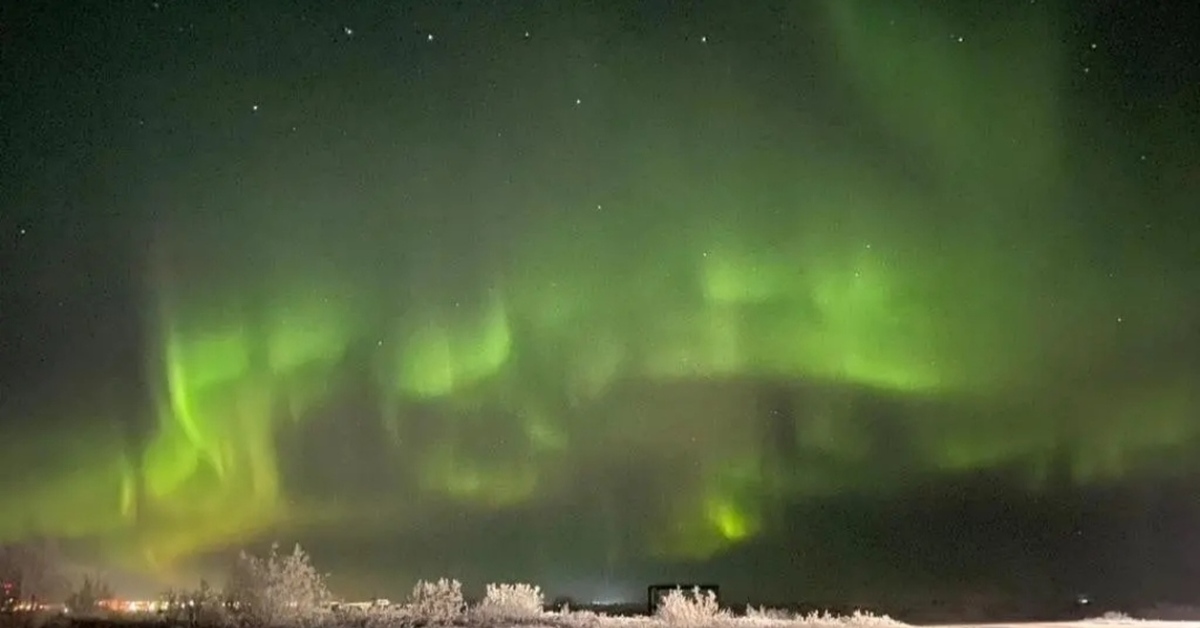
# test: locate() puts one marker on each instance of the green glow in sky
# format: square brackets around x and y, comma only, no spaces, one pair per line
[917,294]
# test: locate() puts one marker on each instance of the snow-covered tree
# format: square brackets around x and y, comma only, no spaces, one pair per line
[693,608]
[438,602]
[763,613]
[277,589]
[509,602]
[210,606]
[204,606]
[174,607]
[32,571]
[87,598]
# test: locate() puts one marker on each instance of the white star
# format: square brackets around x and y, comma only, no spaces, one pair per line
[579,101]
[253,107]
[349,31]
[704,39]
[429,37]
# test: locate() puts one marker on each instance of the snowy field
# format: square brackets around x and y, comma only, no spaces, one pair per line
[520,606]
[580,620]
[286,591]
[588,620]
[1091,623]
[515,606]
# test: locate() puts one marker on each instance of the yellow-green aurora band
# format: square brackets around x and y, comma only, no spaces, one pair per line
[951,286]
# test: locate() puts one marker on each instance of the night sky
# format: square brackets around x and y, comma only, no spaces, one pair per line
[834,299]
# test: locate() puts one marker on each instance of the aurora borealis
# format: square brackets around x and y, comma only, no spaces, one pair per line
[636,280]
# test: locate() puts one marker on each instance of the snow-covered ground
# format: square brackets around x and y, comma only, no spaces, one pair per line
[482,617]
[587,620]
[1090,623]
[285,592]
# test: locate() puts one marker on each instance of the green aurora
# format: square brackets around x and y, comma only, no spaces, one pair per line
[927,256]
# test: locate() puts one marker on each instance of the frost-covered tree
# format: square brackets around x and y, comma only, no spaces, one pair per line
[204,606]
[763,613]
[691,608]
[509,602]
[438,602]
[277,589]
[87,597]
[175,605]
[32,571]
[209,605]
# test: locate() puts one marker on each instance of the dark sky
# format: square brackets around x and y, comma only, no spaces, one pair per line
[841,299]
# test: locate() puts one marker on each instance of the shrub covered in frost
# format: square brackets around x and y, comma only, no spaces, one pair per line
[767,614]
[438,602]
[511,602]
[574,619]
[679,608]
[203,607]
[867,618]
[277,589]
[383,617]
